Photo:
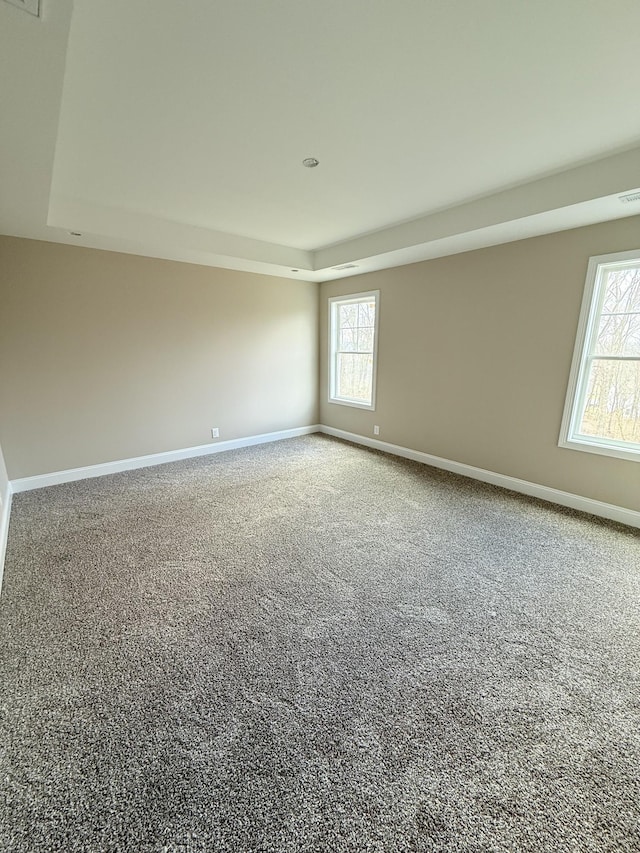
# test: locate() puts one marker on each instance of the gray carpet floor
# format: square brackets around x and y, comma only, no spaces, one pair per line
[309,646]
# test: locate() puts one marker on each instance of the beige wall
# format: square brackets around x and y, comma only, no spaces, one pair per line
[105,356]
[474,357]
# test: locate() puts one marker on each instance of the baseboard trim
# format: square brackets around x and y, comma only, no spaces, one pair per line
[40,481]
[5,514]
[546,493]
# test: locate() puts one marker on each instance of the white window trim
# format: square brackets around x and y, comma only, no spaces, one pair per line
[589,316]
[352,297]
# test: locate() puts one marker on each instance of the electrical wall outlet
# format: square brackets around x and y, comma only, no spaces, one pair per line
[215,432]
[376,430]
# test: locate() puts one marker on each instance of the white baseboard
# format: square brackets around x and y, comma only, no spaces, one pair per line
[25,484]
[535,490]
[546,493]
[5,512]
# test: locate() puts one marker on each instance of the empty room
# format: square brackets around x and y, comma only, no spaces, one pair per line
[319,426]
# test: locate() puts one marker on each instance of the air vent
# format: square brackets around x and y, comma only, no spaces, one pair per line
[625,199]
[30,6]
[345,267]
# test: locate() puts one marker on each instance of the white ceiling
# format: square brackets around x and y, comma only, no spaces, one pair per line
[177,129]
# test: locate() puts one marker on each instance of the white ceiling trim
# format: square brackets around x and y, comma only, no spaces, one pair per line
[587,183]
[79,215]
[581,196]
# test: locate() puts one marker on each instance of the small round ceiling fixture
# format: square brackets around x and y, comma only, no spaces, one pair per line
[310,162]
[295,270]
[75,233]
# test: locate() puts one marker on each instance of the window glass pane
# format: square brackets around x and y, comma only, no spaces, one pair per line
[365,340]
[622,293]
[348,340]
[366,313]
[354,376]
[618,334]
[612,407]
[348,316]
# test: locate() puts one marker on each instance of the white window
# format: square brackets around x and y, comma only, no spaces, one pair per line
[353,334]
[602,412]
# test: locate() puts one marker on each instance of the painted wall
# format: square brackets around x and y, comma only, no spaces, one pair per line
[474,358]
[106,356]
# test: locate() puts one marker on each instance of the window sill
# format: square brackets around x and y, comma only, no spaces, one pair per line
[601,448]
[369,407]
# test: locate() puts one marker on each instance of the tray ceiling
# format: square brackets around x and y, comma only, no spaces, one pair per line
[179,129]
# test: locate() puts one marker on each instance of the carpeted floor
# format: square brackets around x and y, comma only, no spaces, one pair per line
[309,646]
